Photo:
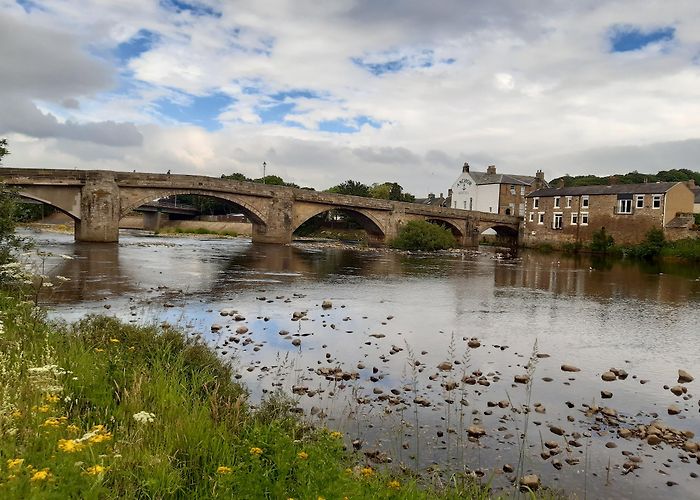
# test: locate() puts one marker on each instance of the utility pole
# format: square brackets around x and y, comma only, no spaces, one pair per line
[264,167]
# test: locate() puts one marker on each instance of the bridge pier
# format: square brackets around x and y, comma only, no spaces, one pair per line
[279,227]
[152,221]
[99,209]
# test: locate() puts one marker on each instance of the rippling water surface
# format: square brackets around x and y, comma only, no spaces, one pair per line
[395,318]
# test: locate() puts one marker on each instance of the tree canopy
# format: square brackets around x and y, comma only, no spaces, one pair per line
[383,191]
[634,177]
[3,149]
[273,180]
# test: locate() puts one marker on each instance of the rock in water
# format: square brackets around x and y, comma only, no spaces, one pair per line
[684,377]
[608,376]
[445,366]
[570,368]
[476,431]
[531,481]
[327,304]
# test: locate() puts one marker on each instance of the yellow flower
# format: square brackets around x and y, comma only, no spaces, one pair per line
[97,349]
[73,428]
[336,435]
[43,409]
[255,451]
[101,437]
[41,475]
[367,472]
[51,422]
[15,463]
[95,470]
[394,485]
[302,455]
[16,414]
[222,469]
[348,470]
[114,341]
[52,398]
[321,498]
[69,445]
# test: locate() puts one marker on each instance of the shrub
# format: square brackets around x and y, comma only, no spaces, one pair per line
[422,235]
[601,241]
[651,247]
[687,249]
[574,247]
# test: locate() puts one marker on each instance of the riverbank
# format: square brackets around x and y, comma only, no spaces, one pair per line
[101,408]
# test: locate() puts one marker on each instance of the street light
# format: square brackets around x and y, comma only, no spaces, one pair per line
[264,166]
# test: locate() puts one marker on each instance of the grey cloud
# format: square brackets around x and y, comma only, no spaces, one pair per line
[71,103]
[388,155]
[46,64]
[23,117]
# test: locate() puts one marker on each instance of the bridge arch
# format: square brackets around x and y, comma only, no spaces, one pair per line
[30,196]
[506,235]
[367,221]
[130,202]
[456,231]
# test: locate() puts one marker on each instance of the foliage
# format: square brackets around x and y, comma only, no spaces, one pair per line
[634,177]
[686,249]
[574,247]
[697,219]
[390,191]
[102,409]
[422,235]
[602,241]
[273,180]
[3,149]
[9,213]
[351,187]
[650,248]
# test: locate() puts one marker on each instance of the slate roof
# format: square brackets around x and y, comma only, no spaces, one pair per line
[486,178]
[436,201]
[645,188]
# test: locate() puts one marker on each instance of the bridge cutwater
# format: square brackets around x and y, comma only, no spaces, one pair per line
[97,199]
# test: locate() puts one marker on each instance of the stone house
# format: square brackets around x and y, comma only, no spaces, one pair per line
[626,211]
[493,192]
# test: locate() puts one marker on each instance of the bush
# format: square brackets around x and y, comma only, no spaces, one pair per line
[422,235]
[687,249]
[651,247]
[574,247]
[602,242]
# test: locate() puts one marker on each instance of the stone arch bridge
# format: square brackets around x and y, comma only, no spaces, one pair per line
[97,199]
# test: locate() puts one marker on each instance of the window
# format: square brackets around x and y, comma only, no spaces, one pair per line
[584,218]
[624,206]
[512,189]
[568,202]
[535,202]
[540,218]
[532,216]
[574,219]
[465,204]
[522,190]
[656,201]
[584,201]
[471,203]
[557,201]
[558,221]
[639,200]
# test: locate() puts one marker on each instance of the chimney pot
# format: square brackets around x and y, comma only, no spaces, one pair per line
[465,167]
[491,169]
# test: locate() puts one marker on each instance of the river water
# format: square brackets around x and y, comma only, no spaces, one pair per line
[390,365]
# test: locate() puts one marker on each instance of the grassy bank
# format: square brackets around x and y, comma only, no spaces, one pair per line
[101,409]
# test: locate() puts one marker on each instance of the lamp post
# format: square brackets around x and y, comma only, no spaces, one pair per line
[264,166]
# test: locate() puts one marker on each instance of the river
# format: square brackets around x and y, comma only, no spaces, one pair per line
[390,362]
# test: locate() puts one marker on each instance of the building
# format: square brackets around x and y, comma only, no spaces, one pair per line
[626,211]
[493,192]
[696,191]
[435,201]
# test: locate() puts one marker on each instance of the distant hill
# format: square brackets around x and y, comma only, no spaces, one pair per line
[682,174]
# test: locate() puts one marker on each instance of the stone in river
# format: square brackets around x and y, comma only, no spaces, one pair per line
[445,366]
[606,394]
[215,327]
[653,440]
[610,444]
[507,468]
[684,377]
[326,304]
[570,368]
[521,379]
[556,430]
[476,431]
[473,343]
[677,390]
[625,433]
[673,410]
[608,376]
[531,481]
[296,342]
[241,330]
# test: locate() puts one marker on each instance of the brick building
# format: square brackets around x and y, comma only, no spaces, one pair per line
[626,211]
[493,192]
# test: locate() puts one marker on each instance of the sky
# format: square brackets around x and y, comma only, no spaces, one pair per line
[403,91]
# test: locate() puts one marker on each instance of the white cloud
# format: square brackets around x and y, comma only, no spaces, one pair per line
[522,84]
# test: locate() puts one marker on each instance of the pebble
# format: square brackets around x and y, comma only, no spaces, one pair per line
[570,368]
[531,481]
[684,377]
[608,376]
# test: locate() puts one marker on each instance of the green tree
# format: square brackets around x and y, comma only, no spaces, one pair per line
[351,187]
[9,212]
[390,191]
[602,241]
[236,176]
[422,235]
[3,149]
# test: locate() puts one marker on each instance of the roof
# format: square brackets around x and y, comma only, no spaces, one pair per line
[437,201]
[645,188]
[486,178]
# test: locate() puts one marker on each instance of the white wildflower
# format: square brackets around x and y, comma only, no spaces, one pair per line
[62,278]
[47,284]
[144,417]
[67,257]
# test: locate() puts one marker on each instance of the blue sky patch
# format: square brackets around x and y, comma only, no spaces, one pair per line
[275,113]
[347,126]
[629,38]
[391,62]
[195,8]
[28,5]
[142,42]
[202,111]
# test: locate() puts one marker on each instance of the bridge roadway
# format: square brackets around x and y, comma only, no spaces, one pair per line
[97,199]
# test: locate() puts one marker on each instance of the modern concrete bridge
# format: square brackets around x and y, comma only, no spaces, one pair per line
[97,199]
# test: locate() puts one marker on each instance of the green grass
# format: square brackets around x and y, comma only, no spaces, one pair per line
[686,249]
[68,396]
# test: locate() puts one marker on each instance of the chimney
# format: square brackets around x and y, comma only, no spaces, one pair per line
[441,195]
[539,179]
[449,193]
[491,169]
[431,196]
[539,175]
[465,167]
[690,183]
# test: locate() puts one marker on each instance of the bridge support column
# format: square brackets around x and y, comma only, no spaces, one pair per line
[99,209]
[279,227]
[471,235]
[152,221]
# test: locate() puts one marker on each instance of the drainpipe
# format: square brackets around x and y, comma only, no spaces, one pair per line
[663,200]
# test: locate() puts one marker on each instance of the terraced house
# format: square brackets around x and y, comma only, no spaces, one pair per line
[626,211]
